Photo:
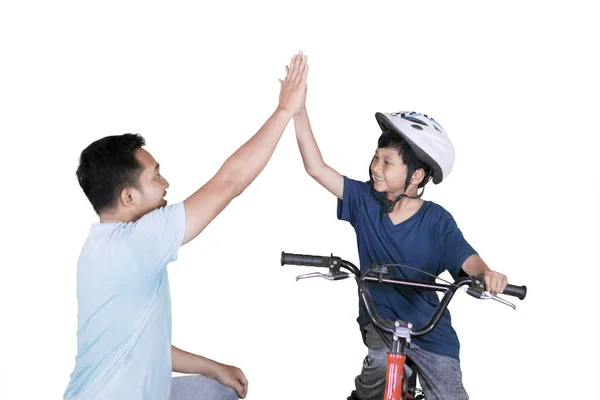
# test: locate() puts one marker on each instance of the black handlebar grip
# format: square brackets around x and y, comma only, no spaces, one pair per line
[301,259]
[516,291]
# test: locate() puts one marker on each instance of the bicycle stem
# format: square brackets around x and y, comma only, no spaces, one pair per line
[367,301]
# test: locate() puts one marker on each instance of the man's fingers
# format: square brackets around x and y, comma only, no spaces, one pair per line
[290,71]
[294,67]
[243,386]
[243,379]
[291,66]
[300,70]
[240,379]
[239,388]
[245,389]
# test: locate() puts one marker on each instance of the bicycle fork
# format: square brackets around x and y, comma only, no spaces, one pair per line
[395,382]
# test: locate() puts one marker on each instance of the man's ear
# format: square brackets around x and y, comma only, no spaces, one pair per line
[417,177]
[128,197]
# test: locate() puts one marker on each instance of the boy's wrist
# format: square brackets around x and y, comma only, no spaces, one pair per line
[302,113]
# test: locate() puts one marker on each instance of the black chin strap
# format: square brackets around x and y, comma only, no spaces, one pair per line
[388,206]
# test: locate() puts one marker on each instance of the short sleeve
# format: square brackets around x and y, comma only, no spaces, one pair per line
[154,240]
[347,207]
[455,249]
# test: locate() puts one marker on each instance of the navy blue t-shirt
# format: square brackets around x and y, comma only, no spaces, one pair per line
[429,240]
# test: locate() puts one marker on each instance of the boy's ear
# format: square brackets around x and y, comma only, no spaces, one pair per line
[417,177]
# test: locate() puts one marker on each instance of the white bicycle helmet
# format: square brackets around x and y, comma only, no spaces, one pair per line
[425,137]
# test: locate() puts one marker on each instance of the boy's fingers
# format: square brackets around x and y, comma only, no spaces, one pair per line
[304,75]
[501,283]
[498,281]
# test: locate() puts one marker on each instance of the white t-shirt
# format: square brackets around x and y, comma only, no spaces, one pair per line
[124,318]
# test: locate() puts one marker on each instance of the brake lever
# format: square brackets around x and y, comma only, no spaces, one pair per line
[488,296]
[314,275]
[485,295]
[328,276]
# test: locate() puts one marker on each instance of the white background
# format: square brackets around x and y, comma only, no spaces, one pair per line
[513,83]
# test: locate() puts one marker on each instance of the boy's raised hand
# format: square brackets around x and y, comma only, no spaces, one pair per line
[293,87]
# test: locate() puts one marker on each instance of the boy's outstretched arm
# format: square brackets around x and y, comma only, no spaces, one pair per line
[243,166]
[328,177]
[495,282]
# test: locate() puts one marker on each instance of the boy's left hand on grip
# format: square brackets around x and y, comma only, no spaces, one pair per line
[495,282]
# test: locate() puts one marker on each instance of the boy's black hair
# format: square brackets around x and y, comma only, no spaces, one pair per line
[391,140]
[107,166]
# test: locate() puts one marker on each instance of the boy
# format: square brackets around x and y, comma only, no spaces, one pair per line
[394,225]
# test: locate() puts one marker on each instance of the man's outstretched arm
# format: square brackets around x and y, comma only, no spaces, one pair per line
[243,166]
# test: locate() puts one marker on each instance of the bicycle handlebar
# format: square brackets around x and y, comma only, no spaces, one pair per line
[335,263]
[516,291]
[309,261]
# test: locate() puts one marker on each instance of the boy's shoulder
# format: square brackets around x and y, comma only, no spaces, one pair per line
[358,185]
[433,207]
[436,214]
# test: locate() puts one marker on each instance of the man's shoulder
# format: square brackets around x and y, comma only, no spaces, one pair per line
[172,211]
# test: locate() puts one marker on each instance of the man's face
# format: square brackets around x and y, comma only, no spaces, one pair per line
[153,186]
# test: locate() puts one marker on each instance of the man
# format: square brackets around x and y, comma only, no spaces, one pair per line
[124,321]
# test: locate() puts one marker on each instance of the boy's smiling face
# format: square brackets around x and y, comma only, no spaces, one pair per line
[389,173]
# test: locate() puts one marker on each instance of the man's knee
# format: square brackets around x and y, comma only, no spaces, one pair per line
[228,394]
[194,387]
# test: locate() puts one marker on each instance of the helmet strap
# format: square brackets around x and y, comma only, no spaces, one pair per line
[387,205]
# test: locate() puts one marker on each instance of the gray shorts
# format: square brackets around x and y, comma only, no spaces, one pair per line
[440,376]
[196,387]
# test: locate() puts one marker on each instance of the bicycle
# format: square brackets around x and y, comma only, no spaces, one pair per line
[398,384]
